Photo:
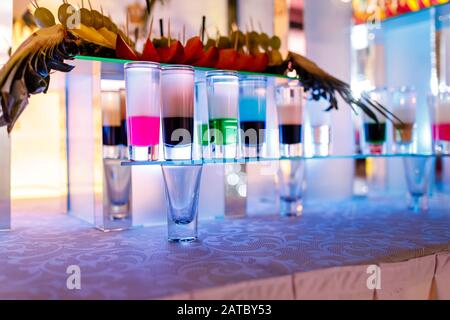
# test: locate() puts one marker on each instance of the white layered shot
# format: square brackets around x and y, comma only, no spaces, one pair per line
[223,100]
[441,113]
[290,114]
[142,92]
[177,93]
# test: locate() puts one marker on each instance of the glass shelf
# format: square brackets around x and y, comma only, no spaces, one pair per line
[258,160]
[113,68]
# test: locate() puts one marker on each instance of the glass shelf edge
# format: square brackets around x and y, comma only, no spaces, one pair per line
[122,61]
[260,160]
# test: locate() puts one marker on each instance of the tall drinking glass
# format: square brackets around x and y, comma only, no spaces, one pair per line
[440,122]
[201,117]
[142,82]
[177,90]
[223,99]
[111,124]
[289,99]
[374,134]
[403,104]
[252,114]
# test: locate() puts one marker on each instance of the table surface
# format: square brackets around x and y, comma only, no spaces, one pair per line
[141,264]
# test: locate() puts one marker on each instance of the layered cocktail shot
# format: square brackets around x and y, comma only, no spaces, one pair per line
[177,95]
[142,81]
[223,99]
[252,114]
[440,122]
[374,133]
[112,130]
[403,104]
[289,99]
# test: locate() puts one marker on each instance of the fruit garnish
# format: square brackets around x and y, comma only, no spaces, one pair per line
[44,18]
[209,58]
[150,53]
[172,54]
[261,60]
[224,43]
[227,59]
[123,50]
[275,43]
[244,62]
[193,51]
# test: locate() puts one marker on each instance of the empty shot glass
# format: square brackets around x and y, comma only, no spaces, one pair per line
[418,171]
[177,95]
[319,126]
[201,118]
[252,114]
[289,100]
[182,188]
[290,186]
[223,99]
[142,82]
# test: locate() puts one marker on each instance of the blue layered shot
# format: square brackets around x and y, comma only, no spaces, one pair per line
[252,118]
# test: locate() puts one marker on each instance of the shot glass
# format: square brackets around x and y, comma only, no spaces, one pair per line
[201,118]
[418,170]
[252,114]
[289,100]
[177,94]
[290,186]
[440,122]
[374,134]
[142,82]
[223,99]
[111,127]
[319,126]
[403,104]
[182,184]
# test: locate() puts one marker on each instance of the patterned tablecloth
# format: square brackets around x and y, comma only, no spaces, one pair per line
[141,264]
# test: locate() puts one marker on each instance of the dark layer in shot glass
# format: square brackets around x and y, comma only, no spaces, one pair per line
[178,131]
[375,132]
[112,135]
[290,133]
[252,132]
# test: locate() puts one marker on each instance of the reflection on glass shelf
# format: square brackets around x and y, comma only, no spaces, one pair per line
[122,61]
[253,160]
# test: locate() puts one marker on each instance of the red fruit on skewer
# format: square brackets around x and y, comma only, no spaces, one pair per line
[150,53]
[209,58]
[193,51]
[244,61]
[227,59]
[124,51]
[261,60]
[172,54]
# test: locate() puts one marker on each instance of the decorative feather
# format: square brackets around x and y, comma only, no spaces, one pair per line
[321,84]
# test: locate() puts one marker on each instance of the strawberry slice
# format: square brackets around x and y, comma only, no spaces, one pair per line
[261,60]
[243,62]
[193,51]
[123,50]
[227,59]
[150,53]
[172,54]
[209,58]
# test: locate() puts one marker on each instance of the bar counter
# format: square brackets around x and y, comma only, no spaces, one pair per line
[325,253]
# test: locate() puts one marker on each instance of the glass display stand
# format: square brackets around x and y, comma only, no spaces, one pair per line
[218,194]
